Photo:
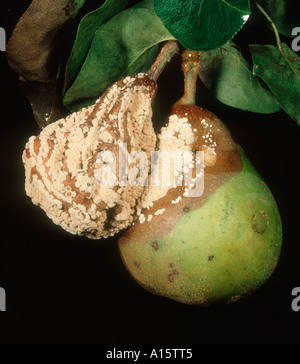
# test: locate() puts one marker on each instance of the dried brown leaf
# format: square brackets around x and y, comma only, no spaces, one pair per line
[33,49]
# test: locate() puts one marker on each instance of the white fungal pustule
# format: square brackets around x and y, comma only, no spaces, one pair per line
[174,140]
[73,168]
[187,146]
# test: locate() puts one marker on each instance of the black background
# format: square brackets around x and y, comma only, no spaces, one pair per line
[66,289]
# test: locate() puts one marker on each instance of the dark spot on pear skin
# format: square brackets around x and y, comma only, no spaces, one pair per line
[210,258]
[137,265]
[260,222]
[155,245]
[171,276]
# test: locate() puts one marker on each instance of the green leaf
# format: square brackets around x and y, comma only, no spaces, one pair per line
[200,24]
[85,34]
[120,47]
[229,77]
[280,70]
[283,13]
[146,4]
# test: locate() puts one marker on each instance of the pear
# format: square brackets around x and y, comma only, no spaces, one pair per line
[217,246]
[71,166]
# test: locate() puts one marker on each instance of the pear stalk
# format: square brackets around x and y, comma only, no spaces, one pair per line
[190,67]
[167,52]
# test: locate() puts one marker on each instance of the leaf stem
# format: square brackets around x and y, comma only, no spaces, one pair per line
[190,67]
[278,41]
[167,52]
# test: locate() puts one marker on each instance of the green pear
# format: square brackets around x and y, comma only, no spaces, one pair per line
[217,247]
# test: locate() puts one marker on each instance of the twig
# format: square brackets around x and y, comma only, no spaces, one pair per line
[277,36]
[190,67]
[167,52]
